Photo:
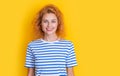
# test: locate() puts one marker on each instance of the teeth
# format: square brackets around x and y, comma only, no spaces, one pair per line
[49,29]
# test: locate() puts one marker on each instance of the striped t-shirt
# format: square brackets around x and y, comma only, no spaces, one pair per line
[50,58]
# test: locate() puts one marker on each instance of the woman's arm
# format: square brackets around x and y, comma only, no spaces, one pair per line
[31,72]
[70,71]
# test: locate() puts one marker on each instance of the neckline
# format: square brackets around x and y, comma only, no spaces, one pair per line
[49,41]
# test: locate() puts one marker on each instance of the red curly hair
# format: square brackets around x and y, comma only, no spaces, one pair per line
[50,8]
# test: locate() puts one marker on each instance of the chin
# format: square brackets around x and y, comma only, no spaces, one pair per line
[50,33]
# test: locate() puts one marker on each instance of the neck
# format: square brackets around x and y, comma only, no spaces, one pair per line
[52,37]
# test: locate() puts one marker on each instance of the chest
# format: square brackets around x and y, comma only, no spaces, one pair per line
[50,54]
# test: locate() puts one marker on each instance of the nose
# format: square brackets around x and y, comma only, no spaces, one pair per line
[49,24]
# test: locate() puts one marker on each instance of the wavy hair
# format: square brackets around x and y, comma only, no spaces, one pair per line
[50,8]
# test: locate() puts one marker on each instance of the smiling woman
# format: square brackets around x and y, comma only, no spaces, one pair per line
[49,23]
[57,20]
[51,54]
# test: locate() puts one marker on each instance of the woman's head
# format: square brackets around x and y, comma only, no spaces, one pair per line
[49,20]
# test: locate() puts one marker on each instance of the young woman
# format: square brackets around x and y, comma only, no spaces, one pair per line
[50,55]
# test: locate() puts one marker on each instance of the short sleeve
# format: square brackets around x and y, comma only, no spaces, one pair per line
[71,56]
[29,62]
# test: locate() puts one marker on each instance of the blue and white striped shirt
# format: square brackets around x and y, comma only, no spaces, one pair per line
[50,57]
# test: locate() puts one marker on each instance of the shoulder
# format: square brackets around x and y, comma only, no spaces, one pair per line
[69,42]
[33,42]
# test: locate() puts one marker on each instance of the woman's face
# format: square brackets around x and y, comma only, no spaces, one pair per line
[49,23]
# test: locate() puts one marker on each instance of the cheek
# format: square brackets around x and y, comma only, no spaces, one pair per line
[44,25]
[55,25]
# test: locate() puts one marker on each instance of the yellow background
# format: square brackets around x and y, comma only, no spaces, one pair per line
[92,25]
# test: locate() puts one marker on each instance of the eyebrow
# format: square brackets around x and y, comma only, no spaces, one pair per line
[47,19]
[54,19]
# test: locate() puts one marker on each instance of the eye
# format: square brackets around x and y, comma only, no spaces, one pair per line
[53,21]
[45,21]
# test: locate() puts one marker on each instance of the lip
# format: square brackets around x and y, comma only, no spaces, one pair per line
[49,29]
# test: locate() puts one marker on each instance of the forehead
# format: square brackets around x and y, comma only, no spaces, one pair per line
[49,16]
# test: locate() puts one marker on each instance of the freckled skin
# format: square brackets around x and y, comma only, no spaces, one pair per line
[49,24]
